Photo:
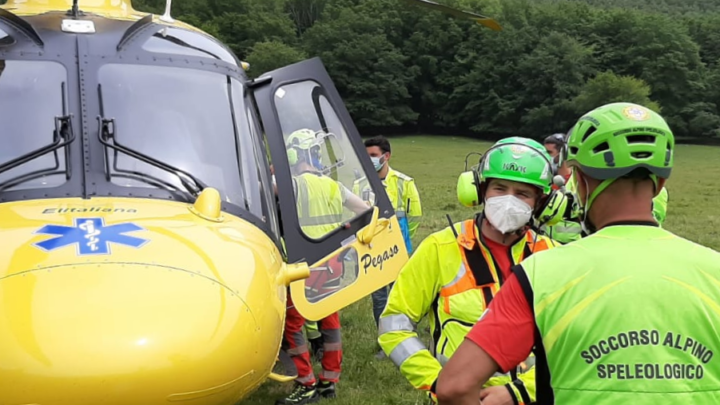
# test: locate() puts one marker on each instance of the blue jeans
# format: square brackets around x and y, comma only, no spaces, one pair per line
[380,297]
[379,300]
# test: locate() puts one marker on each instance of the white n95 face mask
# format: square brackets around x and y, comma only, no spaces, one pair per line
[507,213]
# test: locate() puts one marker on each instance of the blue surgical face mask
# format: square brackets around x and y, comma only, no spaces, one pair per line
[378,162]
[317,163]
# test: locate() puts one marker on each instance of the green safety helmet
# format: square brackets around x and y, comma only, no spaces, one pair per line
[516,159]
[302,139]
[615,139]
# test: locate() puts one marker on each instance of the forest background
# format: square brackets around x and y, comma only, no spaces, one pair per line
[402,69]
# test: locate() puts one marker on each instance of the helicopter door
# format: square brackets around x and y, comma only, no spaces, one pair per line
[335,213]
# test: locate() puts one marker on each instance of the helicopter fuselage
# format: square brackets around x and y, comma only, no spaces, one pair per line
[134,301]
[113,291]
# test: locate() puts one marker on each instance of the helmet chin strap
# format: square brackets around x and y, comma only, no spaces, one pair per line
[587,225]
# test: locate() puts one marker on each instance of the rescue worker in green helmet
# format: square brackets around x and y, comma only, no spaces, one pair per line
[455,273]
[626,315]
[569,229]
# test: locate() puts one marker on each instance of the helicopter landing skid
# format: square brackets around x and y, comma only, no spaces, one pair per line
[287,365]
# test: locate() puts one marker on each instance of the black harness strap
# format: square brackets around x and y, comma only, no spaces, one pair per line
[478,265]
[480,270]
[544,392]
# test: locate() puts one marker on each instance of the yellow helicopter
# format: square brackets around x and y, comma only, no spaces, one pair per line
[142,259]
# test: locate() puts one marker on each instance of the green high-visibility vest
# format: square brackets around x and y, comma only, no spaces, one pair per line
[319,204]
[628,315]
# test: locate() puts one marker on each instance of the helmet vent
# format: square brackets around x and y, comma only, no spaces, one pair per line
[641,155]
[642,138]
[589,132]
[603,147]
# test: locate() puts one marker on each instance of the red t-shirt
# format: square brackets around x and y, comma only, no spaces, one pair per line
[506,332]
[501,254]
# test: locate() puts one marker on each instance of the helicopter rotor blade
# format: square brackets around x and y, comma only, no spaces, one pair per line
[480,19]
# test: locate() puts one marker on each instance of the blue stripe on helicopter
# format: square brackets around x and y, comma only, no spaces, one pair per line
[91,236]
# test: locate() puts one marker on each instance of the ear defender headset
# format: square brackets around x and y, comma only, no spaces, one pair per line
[549,210]
[292,156]
[292,152]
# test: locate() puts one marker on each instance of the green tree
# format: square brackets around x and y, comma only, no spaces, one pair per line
[705,31]
[368,70]
[607,87]
[304,13]
[657,49]
[270,55]
[552,74]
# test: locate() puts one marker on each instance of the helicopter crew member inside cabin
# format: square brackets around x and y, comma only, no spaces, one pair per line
[320,201]
[455,273]
[625,315]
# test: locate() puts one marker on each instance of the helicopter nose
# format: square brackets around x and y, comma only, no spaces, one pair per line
[121,334]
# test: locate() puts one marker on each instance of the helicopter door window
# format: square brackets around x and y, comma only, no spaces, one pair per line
[268,195]
[245,141]
[32,103]
[204,135]
[178,41]
[5,38]
[322,160]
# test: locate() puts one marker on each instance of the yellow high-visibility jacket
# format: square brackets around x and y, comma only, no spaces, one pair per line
[439,281]
[403,195]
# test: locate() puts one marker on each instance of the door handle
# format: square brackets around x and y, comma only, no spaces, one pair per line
[368,233]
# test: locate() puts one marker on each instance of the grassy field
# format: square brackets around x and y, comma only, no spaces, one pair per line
[435,163]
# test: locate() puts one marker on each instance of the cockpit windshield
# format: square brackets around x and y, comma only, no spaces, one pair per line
[186,119]
[32,99]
